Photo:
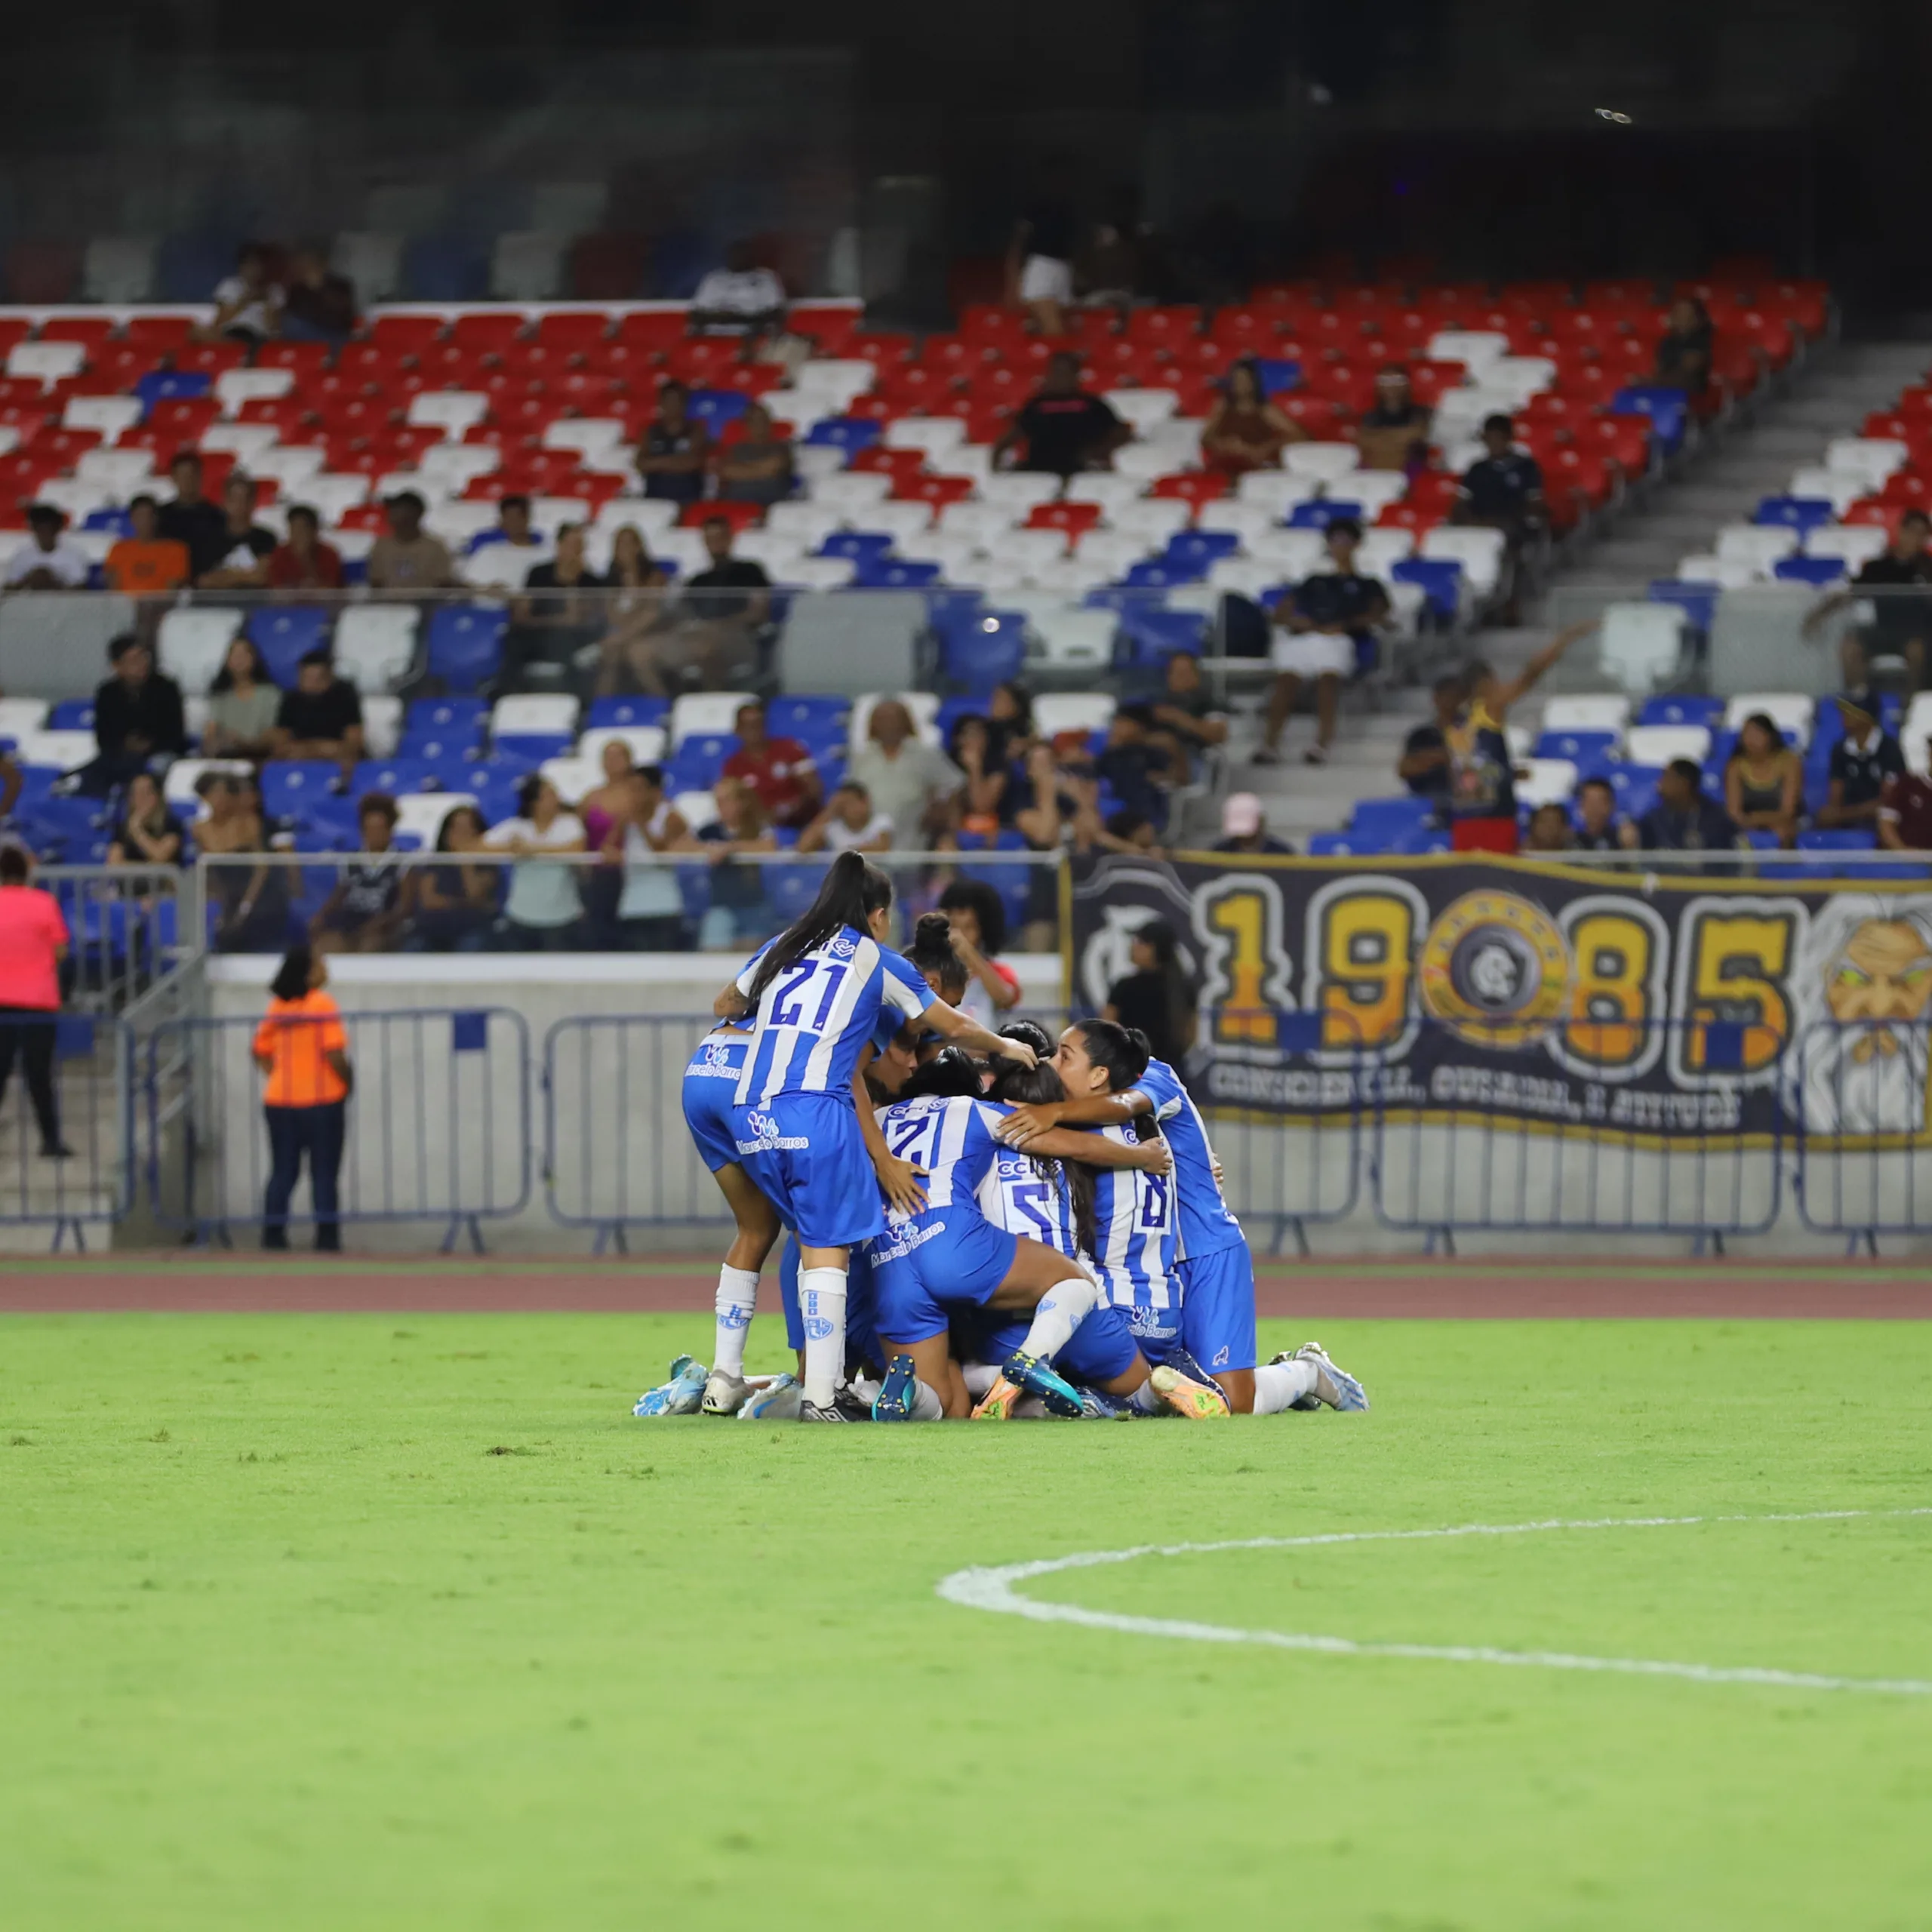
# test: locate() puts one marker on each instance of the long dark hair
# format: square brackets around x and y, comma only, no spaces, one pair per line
[1036,1086]
[853,889]
[933,954]
[224,678]
[977,897]
[292,978]
[1122,1051]
[951,1073]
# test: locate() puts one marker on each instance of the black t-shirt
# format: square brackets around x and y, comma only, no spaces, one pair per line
[1898,615]
[152,709]
[680,486]
[1141,1000]
[243,552]
[1268,843]
[1344,597]
[1707,827]
[1061,430]
[733,574]
[1499,486]
[322,718]
[1605,840]
[1482,774]
[202,527]
[1863,772]
[1433,783]
[370,889]
[1051,229]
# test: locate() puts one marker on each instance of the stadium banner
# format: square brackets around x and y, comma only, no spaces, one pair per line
[1445,988]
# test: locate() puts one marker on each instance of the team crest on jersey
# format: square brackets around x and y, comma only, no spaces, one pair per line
[841,946]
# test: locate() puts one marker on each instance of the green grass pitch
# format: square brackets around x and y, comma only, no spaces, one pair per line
[403,1622]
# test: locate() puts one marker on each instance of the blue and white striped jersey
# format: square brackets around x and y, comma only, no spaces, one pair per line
[1207,1222]
[1031,1198]
[720,1053]
[816,1015]
[951,1138]
[1134,1216]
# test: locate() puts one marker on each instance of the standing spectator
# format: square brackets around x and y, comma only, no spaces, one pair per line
[303,561]
[1155,996]
[44,562]
[1905,811]
[1599,829]
[149,834]
[1684,349]
[34,941]
[456,904]
[1330,621]
[1137,769]
[650,907]
[1763,781]
[1039,259]
[138,716]
[1245,431]
[318,305]
[251,902]
[850,822]
[978,914]
[1864,761]
[405,557]
[191,520]
[1393,432]
[1503,491]
[561,613]
[365,911]
[743,297]
[243,706]
[303,1046]
[247,304]
[505,557]
[1065,428]
[544,910]
[756,466]
[1550,830]
[912,782]
[1010,718]
[1901,612]
[321,717]
[780,771]
[1424,765]
[738,911]
[1683,819]
[145,564]
[1245,828]
[675,449]
[244,563]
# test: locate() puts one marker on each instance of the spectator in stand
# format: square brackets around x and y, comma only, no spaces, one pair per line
[1046,807]
[650,907]
[780,771]
[1424,765]
[1393,432]
[1684,349]
[1121,258]
[502,558]
[632,567]
[318,305]
[978,914]
[1894,581]
[1065,428]
[1683,819]
[1550,830]
[1905,811]
[33,943]
[138,718]
[251,902]
[1503,491]
[147,834]
[715,638]
[145,564]
[562,612]
[675,449]
[850,822]
[191,520]
[321,717]
[913,783]
[1138,770]
[1155,996]
[1244,827]
[247,304]
[405,557]
[544,911]
[1598,828]
[43,561]
[1763,781]
[1329,621]
[1009,719]
[983,805]
[744,297]
[738,911]
[12,781]
[303,1046]
[1245,431]
[303,561]
[243,706]
[1128,832]
[456,904]
[727,573]
[758,465]
[247,546]
[366,911]
[1039,259]
[1864,761]
[1189,719]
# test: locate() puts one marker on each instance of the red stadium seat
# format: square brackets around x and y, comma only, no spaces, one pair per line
[875,407]
[1155,329]
[1624,440]
[453,365]
[182,418]
[830,325]
[210,358]
[902,466]
[701,361]
[486,331]
[367,517]
[1074,518]
[986,422]
[1433,489]
[60,449]
[575,333]
[14,329]
[1894,424]
[373,361]
[883,350]
[22,474]
[92,331]
[915,387]
[287,415]
[1417,517]
[651,332]
[1575,479]
[307,359]
[1876,510]
[586,392]
[1315,414]
[1244,329]
[1905,487]
[740,516]
[992,322]
[1429,379]
[116,366]
[406,335]
[937,491]
[748,378]
[952,356]
[1191,486]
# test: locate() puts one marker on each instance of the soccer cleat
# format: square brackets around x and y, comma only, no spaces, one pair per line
[1000,1401]
[1096,1405]
[724,1394]
[679,1396]
[778,1401]
[1040,1378]
[1334,1388]
[893,1402]
[1199,1401]
[841,1408]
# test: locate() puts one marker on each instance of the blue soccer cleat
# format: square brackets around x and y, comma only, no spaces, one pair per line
[1334,1388]
[1096,1405]
[679,1396]
[893,1402]
[1040,1378]
[777,1401]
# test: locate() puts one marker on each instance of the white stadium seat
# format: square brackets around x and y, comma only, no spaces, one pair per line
[1478,551]
[450,410]
[1790,711]
[1854,544]
[109,414]
[709,714]
[1279,490]
[1056,712]
[1546,781]
[936,436]
[1727,573]
[66,751]
[20,715]
[193,642]
[1586,714]
[420,814]
[1839,488]
[233,387]
[646,743]
[533,711]
[1019,491]
[1475,348]
[375,644]
[1658,744]
[1873,458]
[382,723]
[1322,462]
[1112,492]
[178,788]
[1760,545]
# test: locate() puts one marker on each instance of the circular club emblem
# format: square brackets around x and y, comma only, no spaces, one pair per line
[1495,968]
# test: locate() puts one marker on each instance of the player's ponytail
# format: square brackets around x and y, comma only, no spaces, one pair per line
[1123,1051]
[933,955]
[951,1073]
[853,889]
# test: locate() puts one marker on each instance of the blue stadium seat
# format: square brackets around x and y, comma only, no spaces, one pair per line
[861,547]
[456,714]
[1149,635]
[979,648]
[1589,751]
[850,433]
[72,714]
[532,748]
[172,384]
[109,522]
[1698,602]
[1200,549]
[1636,786]
[1276,373]
[285,633]
[808,718]
[465,647]
[790,890]
[1163,575]
[628,711]
[1669,409]
[1816,572]
[1319,515]
[1707,712]
[715,407]
[291,787]
[1440,579]
[694,884]
[886,573]
[1794,512]
[1012,883]
[1419,845]
[1337,845]
[395,776]
[1850,838]
[65,828]
[1389,818]
[697,762]
[448,755]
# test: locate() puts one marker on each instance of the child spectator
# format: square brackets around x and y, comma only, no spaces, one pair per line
[849,823]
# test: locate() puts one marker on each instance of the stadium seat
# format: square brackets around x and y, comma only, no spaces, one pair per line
[1658,745]
[290,788]
[194,640]
[605,711]
[1586,714]
[375,645]
[1387,818]
[1547,781]
[1588,751]
[646,743]
[697,763]
[285,634]
[465,644]
[1640,644]
[1707,712]
[1790,711]
[706,714]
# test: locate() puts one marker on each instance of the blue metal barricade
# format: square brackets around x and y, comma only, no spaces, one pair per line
[62,1165]
[1858,1101]
[437,1127]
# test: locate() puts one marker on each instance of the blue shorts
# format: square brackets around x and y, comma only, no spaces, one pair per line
[1217,1308]
[937,1260]
[1102,1349]
[1156,1331]
[805,1155]
[708,1104]
[861,1339]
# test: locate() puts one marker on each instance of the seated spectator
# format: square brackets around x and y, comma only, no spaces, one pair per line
[1120,259]
[1127,832]
[43,561]
[321,717]
[303,561]
[318,305]
[780,771]
[244,704]
[502,558]
[1156,997]
[1683,819]
[543,912]
[191,520]
[562,612]
[456,905]
[1010,718]
[1138,771]
[405,557]
[738,911]
[1244,827]
[1598,828]
[1894,582]
[1684,349]
[1065,428]
[1393,432]
[1039,259]
[708,641]
[1905,811]
[247,546]
[850,822]
[1550,830]
[1863,762]
[1424,765]
[138,718]
[147,834]
[366,911]
[632,567]
[982,807]
[1504,489]
[758,466]
[1245,431]
[743,297]
[913,783]
[977,915]
[1330,620]
[145,564]
[1187,711]
[675,448]
[1763,781]
[608,803]
[247,304]
[650,907]
[250,902]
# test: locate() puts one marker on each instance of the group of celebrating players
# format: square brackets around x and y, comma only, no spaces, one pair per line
[982,1224]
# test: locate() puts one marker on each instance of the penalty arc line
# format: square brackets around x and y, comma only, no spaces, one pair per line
[992,1588]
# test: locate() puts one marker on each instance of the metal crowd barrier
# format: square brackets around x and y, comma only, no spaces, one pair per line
[91,1182]
[126,925]
[1857,1094]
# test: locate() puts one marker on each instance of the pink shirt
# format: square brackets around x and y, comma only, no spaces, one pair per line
[31,927]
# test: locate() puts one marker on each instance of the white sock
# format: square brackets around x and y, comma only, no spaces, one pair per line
[1144,1401]
[927,1406]
[822,1303]
[1061,1309]
[738,1300]
[979,1377]
[1280,1385]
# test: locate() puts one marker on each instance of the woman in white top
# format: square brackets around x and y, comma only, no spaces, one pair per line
[544,911]
[650,909]
[849,823]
